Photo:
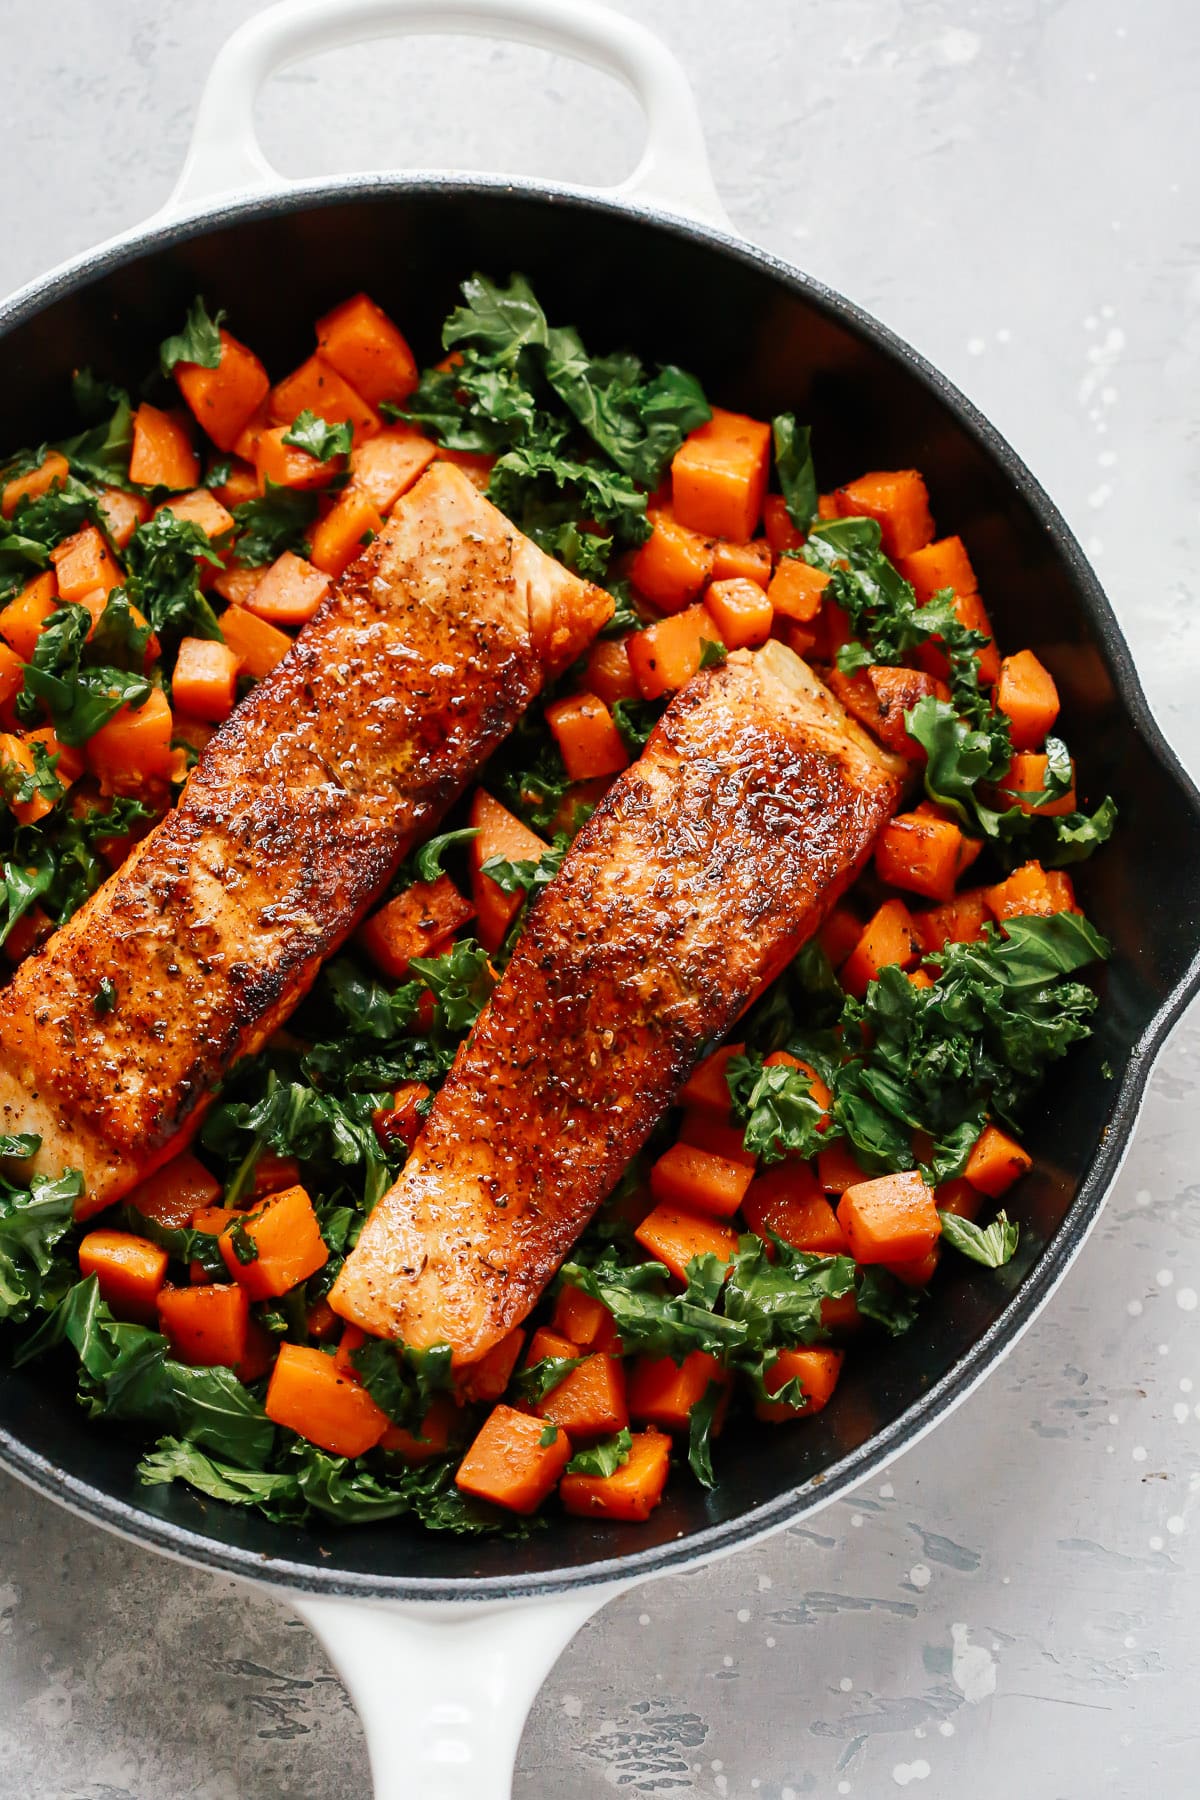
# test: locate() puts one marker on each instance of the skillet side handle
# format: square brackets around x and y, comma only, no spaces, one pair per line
[226,157]
[443,1692]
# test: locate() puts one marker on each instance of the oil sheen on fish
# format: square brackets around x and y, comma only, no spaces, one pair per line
[701,872]
[292,823]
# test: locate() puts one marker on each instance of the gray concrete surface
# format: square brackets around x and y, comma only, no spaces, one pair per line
[1013,1608]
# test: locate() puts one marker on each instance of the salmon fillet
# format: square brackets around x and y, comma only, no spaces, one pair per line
[294,820]
[700,874]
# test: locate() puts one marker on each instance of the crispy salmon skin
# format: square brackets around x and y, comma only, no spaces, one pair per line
[701,872]
[293,821]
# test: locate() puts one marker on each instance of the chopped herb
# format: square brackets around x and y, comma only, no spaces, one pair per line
[712,654]
[198,342]
[317,437]
[105,997]
[549,1436]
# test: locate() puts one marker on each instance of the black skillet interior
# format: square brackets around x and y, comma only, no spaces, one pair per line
[761,339]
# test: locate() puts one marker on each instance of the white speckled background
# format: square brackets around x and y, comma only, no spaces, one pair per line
[1013,1609]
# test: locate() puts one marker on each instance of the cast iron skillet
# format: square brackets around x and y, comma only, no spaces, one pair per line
[762,337]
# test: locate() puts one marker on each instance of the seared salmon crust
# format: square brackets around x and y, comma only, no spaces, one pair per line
[292,823]
[703,870]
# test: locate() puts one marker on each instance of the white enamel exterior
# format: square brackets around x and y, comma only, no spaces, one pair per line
[226,157]
[443,1693]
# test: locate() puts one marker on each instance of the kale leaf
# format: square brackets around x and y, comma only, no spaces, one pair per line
[401,1380]
[580,440]
[37,526]
[775,1104]
[741,1313]
[182,1243]
[57,863]
[991,1245]
[127,1373]
[546,495]
[100,452]
[794,465]
[640,424]
[277,521]
[83,676]
[307,1484]
[33,1221]
[603,1458]
[976,1043]
[701,1422]
[428,861]
[886,1301]
[163,558]
[536,1380]
[527,874]
[292,1118]
[529,774]
[460,983]
[635,720]
[62,510]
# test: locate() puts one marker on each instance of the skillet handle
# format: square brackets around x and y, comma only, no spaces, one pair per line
[443,1692]
[225,155]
